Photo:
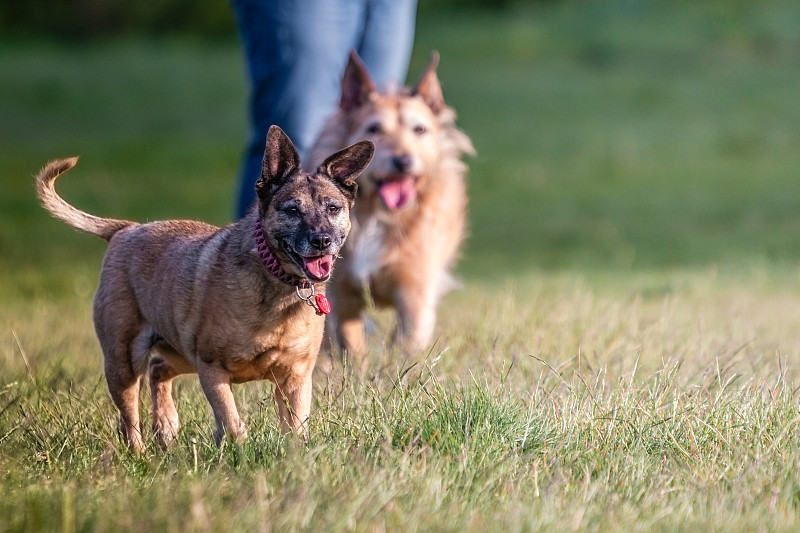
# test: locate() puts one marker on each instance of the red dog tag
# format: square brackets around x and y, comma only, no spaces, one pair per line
[322,304]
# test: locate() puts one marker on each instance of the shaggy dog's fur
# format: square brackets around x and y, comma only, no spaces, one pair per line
[409,221]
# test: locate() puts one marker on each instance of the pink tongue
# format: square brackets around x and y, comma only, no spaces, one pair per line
[318,267]
[396,193]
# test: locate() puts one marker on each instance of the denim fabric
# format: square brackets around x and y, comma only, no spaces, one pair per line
[296,52]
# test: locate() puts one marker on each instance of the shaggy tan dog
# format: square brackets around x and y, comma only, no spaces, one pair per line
[409,221]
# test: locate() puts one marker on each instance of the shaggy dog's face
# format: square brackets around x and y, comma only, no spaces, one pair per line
[405,127]
[404,130]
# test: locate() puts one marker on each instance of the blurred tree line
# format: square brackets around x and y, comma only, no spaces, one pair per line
[87,19]
[81,19]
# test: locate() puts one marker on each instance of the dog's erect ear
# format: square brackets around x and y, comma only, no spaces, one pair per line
[280,160]
[345,166]
[357,85]
[428,86]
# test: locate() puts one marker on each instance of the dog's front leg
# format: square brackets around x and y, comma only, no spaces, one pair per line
[216,384]
[348,324]
[293,398]
[416,318]
[351,336]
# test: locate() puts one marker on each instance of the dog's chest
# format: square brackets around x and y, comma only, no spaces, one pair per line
[289,343]
[367,250]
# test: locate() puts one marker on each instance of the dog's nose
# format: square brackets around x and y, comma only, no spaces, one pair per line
[320,241]
[402,163]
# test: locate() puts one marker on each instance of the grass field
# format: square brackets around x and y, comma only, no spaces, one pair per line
[623,354]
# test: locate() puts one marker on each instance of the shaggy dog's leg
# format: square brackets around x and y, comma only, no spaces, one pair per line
[416,317]
[350,334]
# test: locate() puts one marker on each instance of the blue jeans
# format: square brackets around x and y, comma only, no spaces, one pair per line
[296,52]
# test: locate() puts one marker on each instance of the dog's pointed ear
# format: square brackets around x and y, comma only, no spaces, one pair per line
[357,84]
[428,86]
[346,165]
[280,160]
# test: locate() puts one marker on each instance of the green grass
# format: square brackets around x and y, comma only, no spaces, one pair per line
[622,356]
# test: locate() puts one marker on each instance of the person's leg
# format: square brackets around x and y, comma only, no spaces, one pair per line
[259,29]
[388,40]
[296,51]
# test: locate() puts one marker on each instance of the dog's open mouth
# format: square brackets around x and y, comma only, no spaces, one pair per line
[397,190]
[318,268]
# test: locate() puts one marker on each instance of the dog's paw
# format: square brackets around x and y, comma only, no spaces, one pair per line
[237,435]
[165,430]
[132,436]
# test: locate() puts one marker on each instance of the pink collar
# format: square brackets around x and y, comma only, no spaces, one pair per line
[270,262]
[316,300]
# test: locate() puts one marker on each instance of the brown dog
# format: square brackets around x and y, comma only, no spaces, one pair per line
[409,220]
[228,303]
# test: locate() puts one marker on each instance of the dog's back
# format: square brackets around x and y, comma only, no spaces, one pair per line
[139,254]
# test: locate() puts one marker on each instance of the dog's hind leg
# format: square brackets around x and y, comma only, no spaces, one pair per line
[118,325]
[123,385]
[165,364]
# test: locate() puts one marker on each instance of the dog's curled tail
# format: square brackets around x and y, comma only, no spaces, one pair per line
[59,208]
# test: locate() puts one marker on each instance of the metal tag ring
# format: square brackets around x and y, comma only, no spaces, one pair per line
[306,298]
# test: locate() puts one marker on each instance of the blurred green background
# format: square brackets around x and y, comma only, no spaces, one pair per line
[614,137]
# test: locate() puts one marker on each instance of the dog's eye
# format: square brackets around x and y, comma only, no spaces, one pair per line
[419,129]
[334,209]
[374,128]
[291,210]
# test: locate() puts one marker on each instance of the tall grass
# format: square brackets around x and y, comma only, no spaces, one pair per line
[622,356]
[585,411]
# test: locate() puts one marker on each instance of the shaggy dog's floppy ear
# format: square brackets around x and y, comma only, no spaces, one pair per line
[346,165]
[428,86]
[357,85]
[281,160]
